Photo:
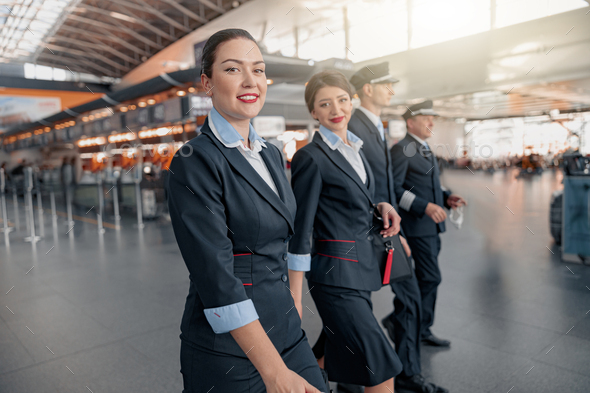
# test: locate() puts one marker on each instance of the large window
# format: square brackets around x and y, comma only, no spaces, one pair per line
[510,12]
[377,29]
[324,38]
[438,21]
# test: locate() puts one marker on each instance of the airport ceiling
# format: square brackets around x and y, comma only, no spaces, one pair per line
[106,38]
[531,100]
[110,38]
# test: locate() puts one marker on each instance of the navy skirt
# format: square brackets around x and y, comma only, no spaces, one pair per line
[204,370]
[356,349]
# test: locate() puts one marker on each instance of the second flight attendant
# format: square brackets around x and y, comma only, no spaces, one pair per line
[334,186]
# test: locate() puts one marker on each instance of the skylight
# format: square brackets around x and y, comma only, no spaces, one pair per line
[26,23]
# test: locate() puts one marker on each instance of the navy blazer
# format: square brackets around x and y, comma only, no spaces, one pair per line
[334,218]
[416,178]
[232,230]
[377,154]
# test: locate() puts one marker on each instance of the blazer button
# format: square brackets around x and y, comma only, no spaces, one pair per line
[371,211]
[370,237]
[284,278]
[284,256]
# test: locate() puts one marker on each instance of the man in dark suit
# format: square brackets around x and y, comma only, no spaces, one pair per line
[422,200]
[374,86]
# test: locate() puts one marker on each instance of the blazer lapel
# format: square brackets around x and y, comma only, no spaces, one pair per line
[370,178]
[340,161]
[418,148]
[243,167]
[369,124]
[281,182]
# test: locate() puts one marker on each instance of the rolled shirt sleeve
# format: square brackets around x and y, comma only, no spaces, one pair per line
[298,262]
[227,318]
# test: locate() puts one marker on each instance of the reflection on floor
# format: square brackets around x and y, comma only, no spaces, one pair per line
[82,310]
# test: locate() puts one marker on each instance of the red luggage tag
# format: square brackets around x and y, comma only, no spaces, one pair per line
[387,274]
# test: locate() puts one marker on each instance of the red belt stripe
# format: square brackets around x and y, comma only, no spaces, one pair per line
[330,256]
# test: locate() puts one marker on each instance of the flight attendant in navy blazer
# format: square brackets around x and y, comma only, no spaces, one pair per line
[233,213]
[334,187]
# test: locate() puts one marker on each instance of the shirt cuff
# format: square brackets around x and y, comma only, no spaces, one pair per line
[406,200]
[299,262]
[227,318]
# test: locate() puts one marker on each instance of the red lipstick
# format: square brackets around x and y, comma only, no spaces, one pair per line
[248,98]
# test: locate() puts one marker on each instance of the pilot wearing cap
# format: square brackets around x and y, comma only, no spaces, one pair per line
[374,86]
[422,200]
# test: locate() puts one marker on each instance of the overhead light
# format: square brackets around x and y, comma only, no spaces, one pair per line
[85,119]
[127,136]
[191,89]
[269,81]
[181,93]
[101,140]
[151,101]
[132,107]
[123,109]
[91,117]
[159,132]
[141,104]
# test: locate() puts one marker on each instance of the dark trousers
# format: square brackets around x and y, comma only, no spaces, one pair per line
[406,322]
[425,253]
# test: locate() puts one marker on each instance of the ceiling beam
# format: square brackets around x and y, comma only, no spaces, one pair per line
[94,55]
[61,61]
[97,37]
[118,28]
[136,20]
[148,8]
[212,6]
[188,12]
[100,46]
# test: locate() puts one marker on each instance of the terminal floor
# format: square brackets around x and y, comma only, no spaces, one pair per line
[84,312]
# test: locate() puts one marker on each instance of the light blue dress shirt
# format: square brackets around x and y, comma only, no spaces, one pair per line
[376,120]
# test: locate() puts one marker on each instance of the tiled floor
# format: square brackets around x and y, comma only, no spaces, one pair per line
[101,313]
